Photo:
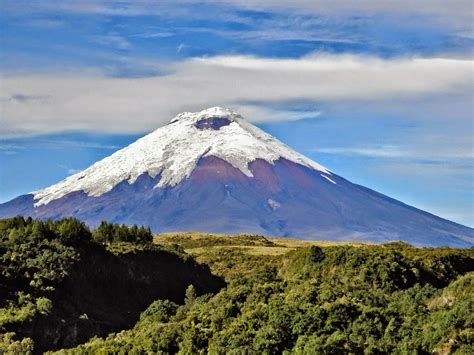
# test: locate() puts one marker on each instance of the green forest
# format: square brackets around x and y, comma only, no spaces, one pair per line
[67,289]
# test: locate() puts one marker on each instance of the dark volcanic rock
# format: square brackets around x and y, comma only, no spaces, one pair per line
[212,123]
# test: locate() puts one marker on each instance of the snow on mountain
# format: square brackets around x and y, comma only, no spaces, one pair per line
[212,171]
[174,150]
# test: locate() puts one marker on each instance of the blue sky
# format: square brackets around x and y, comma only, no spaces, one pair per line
[381,93]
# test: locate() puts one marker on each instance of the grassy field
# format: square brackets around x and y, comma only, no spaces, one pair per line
[196,243]
[229,256]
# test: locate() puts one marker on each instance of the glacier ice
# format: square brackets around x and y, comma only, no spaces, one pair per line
[174,150]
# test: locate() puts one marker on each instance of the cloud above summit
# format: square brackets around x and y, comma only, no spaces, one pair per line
[44,103]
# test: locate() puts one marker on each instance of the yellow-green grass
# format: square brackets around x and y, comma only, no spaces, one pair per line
[196,243]
[250,250]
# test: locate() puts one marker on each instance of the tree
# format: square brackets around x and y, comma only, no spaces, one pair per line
[144,235]
[104,233]
[38,229]
[122,233]
[190,295]
[73,232]
[315,254]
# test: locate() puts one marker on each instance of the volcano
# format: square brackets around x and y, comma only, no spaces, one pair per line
[213,171]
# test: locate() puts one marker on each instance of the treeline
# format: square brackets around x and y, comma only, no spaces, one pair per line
[71,231]
[68,231]
[36,255]
[108,233]
[61,283]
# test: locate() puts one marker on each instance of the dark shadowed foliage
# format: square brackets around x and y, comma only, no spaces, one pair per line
[59,287]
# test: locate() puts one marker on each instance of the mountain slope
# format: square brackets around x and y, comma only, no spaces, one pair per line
[213,171]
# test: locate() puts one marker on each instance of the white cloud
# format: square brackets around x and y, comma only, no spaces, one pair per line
[77,102]
[411,153]
[385,151]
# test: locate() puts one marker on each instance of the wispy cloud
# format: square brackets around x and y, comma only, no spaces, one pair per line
[76,102]
[299,15]
[180,47]
[153,34]
[273,30]
[392,151]
[79,144]
[386,151]
[45,23]
[69,170]
[113,40]
[457,11]
[7,147]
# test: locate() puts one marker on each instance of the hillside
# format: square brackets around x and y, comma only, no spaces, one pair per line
[59,285]
[311,297]
[279,295]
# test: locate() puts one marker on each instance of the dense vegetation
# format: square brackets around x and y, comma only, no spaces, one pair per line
[333,300]
[108,233]
[60,284]
[280,297]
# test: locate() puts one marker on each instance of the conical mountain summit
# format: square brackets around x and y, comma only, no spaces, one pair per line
[213,171]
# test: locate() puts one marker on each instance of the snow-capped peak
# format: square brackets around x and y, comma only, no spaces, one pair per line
[174,150]
[207,113]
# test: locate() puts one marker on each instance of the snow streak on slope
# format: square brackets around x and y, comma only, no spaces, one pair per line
[173,152]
